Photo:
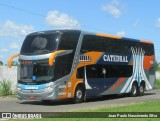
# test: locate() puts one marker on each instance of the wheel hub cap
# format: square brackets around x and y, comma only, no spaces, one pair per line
[79,94]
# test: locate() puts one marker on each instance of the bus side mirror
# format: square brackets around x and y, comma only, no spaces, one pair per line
[53,55]
[10,60]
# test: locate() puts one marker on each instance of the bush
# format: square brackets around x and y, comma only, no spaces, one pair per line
[5,87]
[157,84]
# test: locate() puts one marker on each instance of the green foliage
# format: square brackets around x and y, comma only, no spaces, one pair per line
[153,106]
[157,66]
[15,63]
[1,63]
[5,87]
[157,84]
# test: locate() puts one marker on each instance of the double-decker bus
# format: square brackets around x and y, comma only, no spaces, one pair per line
[63,64]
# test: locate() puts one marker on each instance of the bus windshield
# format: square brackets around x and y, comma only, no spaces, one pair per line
[35,72]
[40,44]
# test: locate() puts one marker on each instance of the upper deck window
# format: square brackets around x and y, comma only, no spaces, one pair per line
[40,44]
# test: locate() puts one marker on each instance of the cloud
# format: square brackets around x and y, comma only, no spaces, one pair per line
[59,20]
[136,23]
[9,28]
[4,50]
[158,23]
[14,46]
[113,8]
[121,33]
[1,56]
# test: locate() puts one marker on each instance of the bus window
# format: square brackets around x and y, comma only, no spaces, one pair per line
[68,41]
[111,71]
[63,64]
[40,44]
[91,43]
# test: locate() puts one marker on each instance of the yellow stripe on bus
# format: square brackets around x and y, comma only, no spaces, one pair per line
[53,55]
[11,58]
[107,35]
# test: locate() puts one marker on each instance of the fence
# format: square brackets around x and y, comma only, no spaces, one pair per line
[9,74]
[157,75]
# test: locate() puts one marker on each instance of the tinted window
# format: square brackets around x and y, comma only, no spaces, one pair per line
[63,64]
[105,71]
[124,46]
[92,43]
[111,45]
[39,69]
[40,44]
[69,40]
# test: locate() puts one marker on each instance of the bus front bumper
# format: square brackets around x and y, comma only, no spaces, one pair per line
[42,94]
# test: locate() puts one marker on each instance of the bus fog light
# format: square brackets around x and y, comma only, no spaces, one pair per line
[50,86]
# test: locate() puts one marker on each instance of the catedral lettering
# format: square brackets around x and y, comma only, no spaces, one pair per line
[115,58]
[63,64]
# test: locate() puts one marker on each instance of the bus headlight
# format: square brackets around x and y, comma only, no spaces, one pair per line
[50,86]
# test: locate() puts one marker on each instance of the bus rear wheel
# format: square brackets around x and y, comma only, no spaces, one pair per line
[141,90]
[79,95]
[134,90]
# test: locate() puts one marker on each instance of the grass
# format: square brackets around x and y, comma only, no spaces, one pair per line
[5,87]
[141,107]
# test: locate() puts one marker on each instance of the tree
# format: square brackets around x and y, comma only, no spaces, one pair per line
[1,63]
[15,63]
[157,66]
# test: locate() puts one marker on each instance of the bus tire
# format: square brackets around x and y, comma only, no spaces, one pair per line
[79,95]
[141,89]
[134,90]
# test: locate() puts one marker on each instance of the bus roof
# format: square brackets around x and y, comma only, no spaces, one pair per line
[97,34]
[53,31]
[124,38]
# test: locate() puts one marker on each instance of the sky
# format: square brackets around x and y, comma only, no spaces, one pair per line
[138,19]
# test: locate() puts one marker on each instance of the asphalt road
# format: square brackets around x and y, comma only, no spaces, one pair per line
[15,105]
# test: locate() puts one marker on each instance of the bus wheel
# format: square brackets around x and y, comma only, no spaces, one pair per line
[134,90]
[79,95]
[141,90]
